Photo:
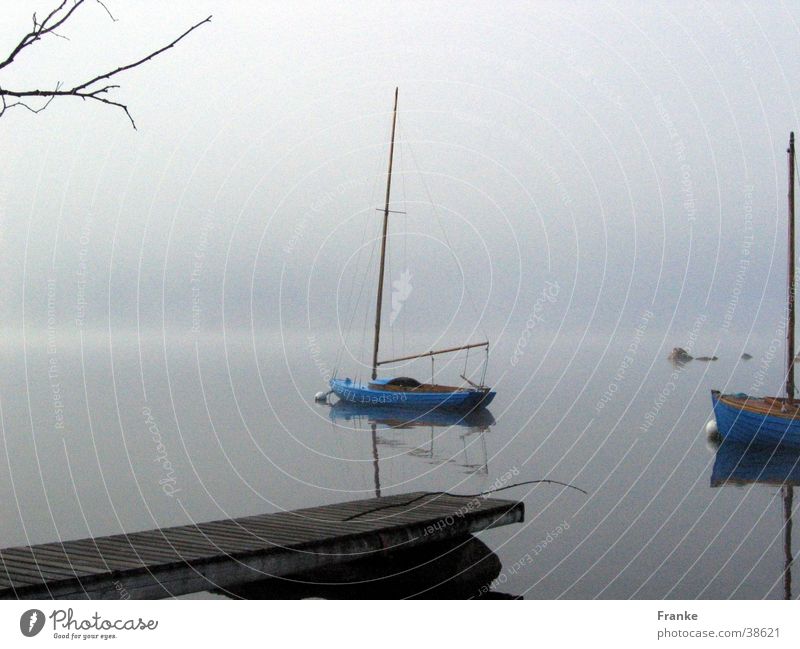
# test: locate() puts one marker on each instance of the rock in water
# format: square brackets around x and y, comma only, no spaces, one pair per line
[746,356]
[679,355]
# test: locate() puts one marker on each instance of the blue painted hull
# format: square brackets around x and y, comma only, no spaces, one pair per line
[740,425]
[462,400]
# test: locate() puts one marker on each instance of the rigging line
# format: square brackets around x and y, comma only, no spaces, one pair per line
[447,239]
[405,228]
[362,348]
[456,357]
[389,248]
[367,272]
[377,228]
[425,494]
[797,173]
[351,290]
[385,252]
[364,231]
[391,291]
[390,278]
[354,308]
[388,267]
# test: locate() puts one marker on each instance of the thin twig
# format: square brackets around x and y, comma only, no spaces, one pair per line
[110,15]
[83,90]
[107,75]
[482,494]
[41,29]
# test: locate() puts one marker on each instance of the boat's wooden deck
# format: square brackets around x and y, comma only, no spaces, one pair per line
[773,406]
[423,387]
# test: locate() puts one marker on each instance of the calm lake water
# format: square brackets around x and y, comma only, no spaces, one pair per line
[106,435]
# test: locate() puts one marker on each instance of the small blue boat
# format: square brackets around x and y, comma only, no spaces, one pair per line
[767,421]
[404,392]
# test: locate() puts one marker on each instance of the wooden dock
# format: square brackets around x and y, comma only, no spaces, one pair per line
[174,561]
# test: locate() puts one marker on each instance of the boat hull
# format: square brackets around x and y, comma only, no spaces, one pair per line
[461,400]
[739,423]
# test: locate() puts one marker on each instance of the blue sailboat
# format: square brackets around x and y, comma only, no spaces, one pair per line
[771,421]
[406,392]
[765,421]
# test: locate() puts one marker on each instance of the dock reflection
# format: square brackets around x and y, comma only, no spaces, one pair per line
[457,568]
[737,464]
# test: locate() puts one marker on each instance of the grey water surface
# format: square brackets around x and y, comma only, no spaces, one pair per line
[102,435]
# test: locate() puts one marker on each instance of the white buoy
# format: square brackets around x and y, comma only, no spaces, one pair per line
[321,396]
[713,439]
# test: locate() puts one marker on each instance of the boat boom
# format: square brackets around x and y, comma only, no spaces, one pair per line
[434,353]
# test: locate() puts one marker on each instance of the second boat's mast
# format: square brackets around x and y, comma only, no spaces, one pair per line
[383,248]
[791,288]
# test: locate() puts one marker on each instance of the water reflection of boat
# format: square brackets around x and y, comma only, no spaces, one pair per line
[740,464]
[396,417]
[474,456]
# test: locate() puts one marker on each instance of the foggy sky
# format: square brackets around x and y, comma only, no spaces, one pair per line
[633,153]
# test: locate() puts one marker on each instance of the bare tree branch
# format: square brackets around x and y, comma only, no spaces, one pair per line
[84,90]
[73,92]
[108,75]
[42,29]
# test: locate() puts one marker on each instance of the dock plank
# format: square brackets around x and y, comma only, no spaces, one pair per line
[227,542]
[89,557]
[35,557]
[183,559]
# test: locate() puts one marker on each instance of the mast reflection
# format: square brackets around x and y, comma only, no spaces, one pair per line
[473,455]
[737,464]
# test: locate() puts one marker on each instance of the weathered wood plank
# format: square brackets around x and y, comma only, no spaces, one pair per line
[111,551]
[51,564]
[237,533]
[79,556]
[21,574]
[228,542]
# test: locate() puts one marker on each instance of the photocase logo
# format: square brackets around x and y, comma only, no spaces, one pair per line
[31,622]
[401,289]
